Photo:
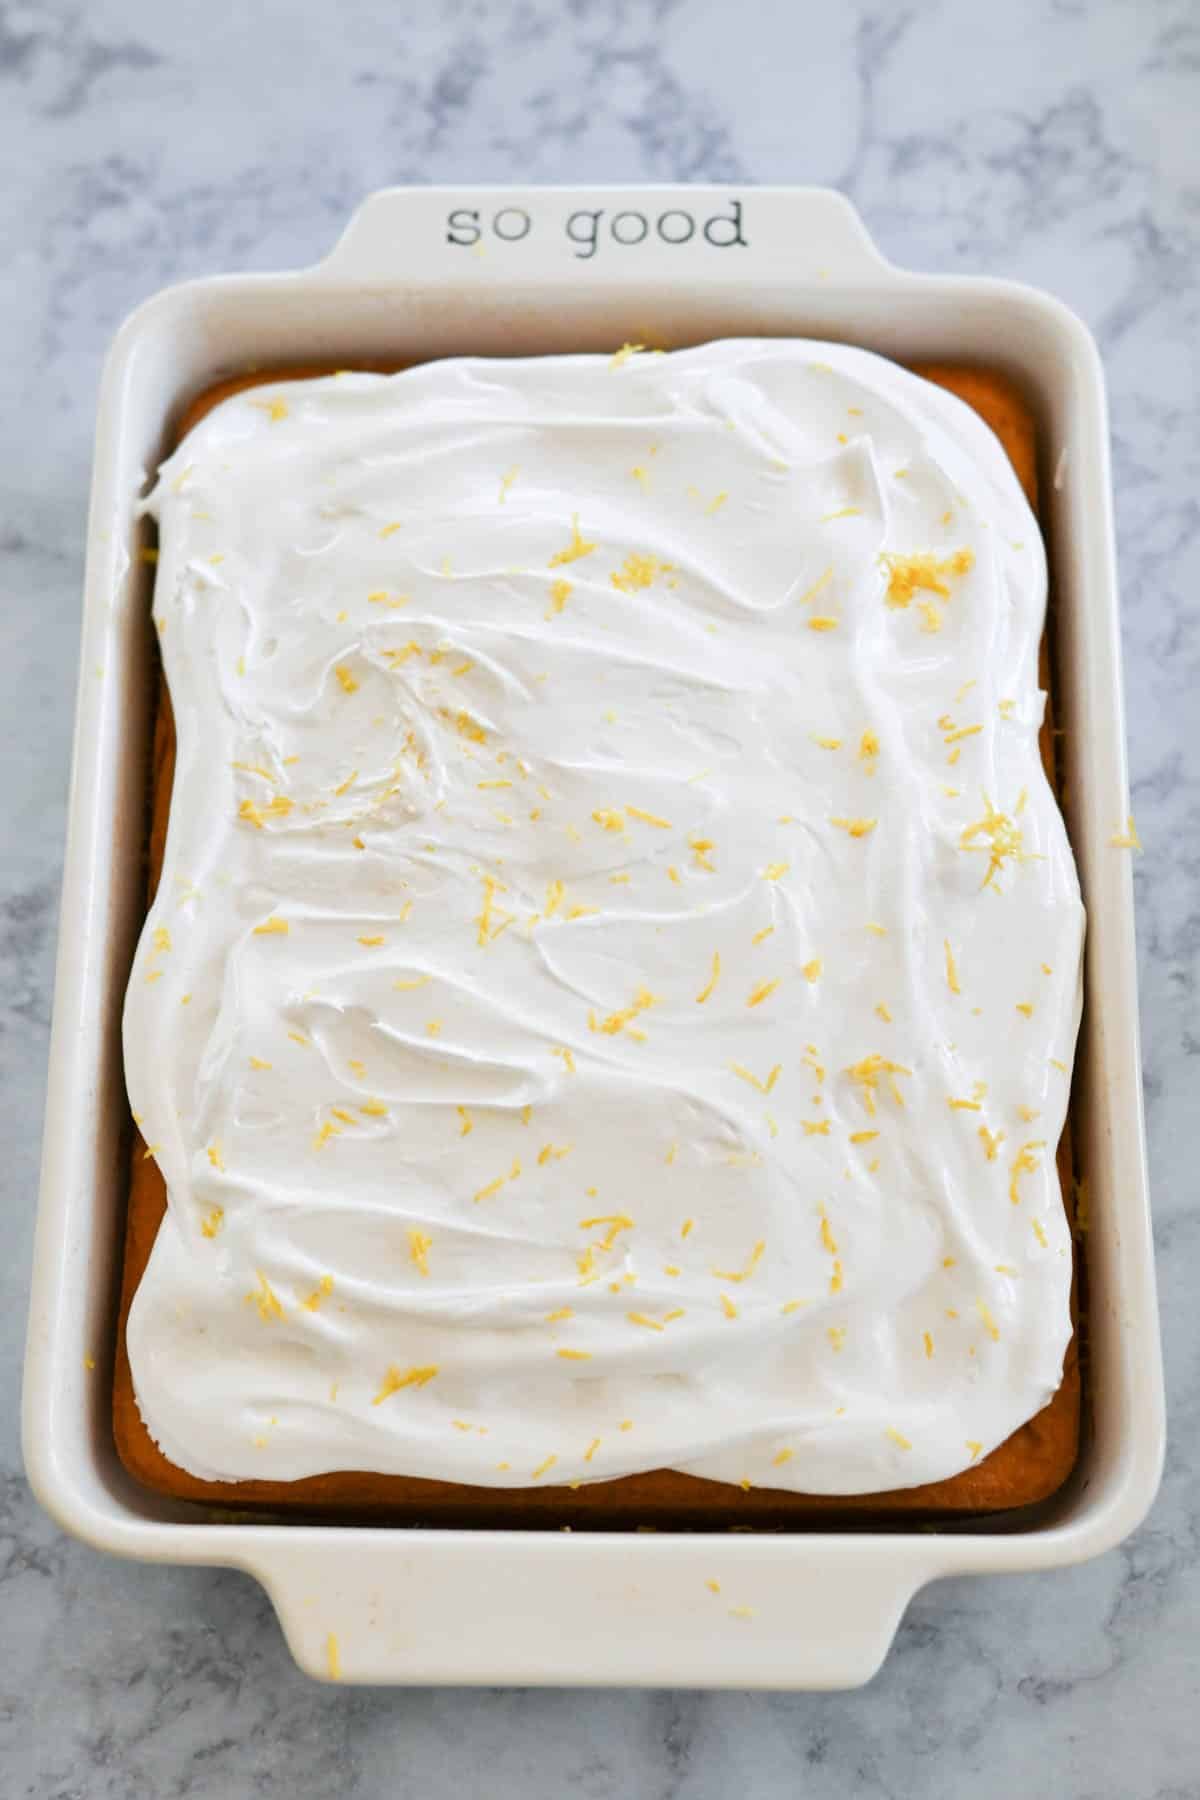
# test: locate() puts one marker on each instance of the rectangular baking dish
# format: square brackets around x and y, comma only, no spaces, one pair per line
[423,273]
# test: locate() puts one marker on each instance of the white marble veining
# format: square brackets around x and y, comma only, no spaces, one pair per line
[1044,139]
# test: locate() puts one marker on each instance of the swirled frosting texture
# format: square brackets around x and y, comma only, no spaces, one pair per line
[611,991]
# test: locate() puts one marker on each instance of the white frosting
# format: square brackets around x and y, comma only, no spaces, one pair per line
[356,595]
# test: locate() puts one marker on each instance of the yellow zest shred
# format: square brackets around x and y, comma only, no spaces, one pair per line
[1024,1163]
[577,548]
[815,1127]
[881,1012]
[1127,839]
[728,1307]
[811,970]
[991,1141]
[989,1323]
[700,848]
[610,818]
[489,930]
[419,1246]
[1026,1007]
[371,943]
[685,1230]
[927,1340]
[822,622]
[346,678]
[374,1109]
[276,808]
[616,1222]
[214,1155]
[618,1021]
[975,1448]
[781,1457]
[752,1263]
[638,572]
[549,1152]
[506,481]
[898,1438]
[536,1474]
[266,1299]
[635,812]
[760,935]
[764,1087]
[620,357]
[568,1057]
[210,1224]
[774,872]
[637,1318]
[951,969]
[857,828]
[761,991]
[560,593]
[1040,1233]
[574,1355]
[395,1379]
[867,1073]
[862,1137]
[711,983]
[1005,842]
[828,743]
[321,1292]
[922,571]
[493,1187]
[817,587]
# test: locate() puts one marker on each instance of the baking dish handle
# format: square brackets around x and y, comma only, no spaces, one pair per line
[595,1609]
[435,235]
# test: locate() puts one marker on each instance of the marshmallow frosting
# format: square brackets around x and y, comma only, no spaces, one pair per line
[612,987]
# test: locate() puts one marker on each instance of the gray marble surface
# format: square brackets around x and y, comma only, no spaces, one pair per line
[1052,140]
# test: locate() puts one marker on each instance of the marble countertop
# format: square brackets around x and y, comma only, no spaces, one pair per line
[1050,140]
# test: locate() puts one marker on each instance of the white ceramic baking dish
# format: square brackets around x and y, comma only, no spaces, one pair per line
[428,273]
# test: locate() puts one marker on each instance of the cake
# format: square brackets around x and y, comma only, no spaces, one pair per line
[606,1011]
